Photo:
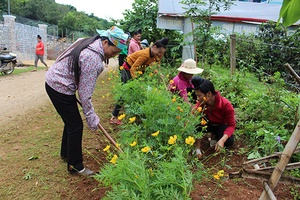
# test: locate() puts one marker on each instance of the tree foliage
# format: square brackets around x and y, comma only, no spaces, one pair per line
[48,11]
[143,15]
[200,12]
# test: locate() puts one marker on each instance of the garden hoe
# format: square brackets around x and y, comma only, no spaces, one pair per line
[105,133]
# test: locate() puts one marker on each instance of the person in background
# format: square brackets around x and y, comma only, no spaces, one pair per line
[218,111]
[77,70]
[124,52]
[144,43]
[135,42]
[39,53]
[181,84]
[138,61]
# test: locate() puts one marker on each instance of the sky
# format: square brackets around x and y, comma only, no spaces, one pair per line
[104,9]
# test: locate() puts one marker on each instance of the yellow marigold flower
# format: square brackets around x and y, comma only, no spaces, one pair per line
[174,99]
[145,149]
[216,177]
[133,143]
[171,81]
[107,94]
[106,148]
[203,122]
[172,139]
[108,78]
[102,81]
[140,72]
[190,140]
[204,99]
[114,159]
[121,67]
[178,117]
[180,109]
[120,117]
[150,171]
[220,173]
[155,134]
[199,109]
[103,97]
[132,119]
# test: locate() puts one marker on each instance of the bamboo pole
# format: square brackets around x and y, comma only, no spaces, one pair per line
[293,73]
[284,159]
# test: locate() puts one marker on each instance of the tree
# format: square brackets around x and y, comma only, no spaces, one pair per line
[200,12]
[144,15]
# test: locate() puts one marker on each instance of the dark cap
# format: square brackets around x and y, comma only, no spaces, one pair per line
[39,37]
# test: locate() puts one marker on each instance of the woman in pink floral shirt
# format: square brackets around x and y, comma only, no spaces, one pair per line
[77,69]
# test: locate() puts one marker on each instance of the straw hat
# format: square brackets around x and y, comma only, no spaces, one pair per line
[189,66]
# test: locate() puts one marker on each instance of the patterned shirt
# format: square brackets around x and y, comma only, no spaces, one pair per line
[61,78]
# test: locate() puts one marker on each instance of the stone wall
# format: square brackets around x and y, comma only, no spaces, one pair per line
[22,39]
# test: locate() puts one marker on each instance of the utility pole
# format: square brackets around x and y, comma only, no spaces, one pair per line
[8,7]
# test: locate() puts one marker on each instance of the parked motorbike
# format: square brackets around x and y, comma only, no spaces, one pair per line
[8,61]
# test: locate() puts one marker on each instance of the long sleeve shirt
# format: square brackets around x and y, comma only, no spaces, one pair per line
[134,46]
[221,113]
[180,85]
[139,60]
[61,78]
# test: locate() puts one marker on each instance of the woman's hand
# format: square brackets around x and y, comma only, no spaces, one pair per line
[220,144]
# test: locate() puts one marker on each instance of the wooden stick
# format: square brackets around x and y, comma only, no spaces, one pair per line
[105,133]
[109,137]
[265,159]
[269,191]
[284,159]
[291,70]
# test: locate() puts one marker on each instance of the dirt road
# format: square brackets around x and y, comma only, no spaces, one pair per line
[19,94]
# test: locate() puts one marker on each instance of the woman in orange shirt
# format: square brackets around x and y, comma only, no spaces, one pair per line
[138,61]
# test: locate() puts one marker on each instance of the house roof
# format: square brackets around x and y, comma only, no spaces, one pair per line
[240,11]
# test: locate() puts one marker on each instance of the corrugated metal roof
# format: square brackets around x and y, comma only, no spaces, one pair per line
[261,11]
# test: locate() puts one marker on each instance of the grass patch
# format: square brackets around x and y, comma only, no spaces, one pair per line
[38,135]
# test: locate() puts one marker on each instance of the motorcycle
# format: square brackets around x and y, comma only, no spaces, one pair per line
[8,61]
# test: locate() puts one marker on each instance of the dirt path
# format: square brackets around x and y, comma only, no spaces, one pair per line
[22,93]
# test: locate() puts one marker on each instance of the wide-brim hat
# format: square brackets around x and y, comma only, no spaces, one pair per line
[115,35]
[189,66]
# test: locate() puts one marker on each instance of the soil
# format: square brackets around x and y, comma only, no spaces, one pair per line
[24,93]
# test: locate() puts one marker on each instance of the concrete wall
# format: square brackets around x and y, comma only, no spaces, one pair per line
[21,39]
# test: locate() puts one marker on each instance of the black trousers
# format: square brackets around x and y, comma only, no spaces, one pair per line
[121,59]
[71,144]
[125,76]
[218,131]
